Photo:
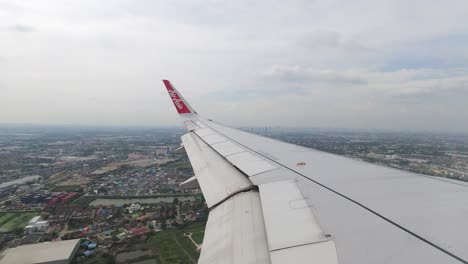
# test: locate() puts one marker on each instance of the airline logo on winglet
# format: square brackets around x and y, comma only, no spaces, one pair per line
[178,102]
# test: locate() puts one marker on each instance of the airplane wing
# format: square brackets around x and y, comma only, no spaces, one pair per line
[274,202]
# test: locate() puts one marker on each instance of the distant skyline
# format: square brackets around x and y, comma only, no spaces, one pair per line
[392,65]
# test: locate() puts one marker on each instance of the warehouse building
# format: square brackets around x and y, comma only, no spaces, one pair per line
[60,252]
[18,182]
[36,225]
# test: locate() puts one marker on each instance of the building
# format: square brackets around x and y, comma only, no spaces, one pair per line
[35,225]
[133,208]
[34,220]
[162,151]
[138,231]
[60,252]
[7,186]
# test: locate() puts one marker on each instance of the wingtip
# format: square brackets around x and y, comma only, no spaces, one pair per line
[168,84]
[179,103]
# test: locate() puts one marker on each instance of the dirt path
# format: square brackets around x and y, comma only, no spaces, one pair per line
[189,235]
[64,230]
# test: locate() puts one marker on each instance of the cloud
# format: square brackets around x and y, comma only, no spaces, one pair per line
[330,40]
[416,81]
[22,28]
[287,73]
[243,62]
[429,86]
[403,82]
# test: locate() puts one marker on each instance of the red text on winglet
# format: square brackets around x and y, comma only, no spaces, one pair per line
[178,102]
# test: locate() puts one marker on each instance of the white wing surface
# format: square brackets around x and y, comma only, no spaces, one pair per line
[274,202]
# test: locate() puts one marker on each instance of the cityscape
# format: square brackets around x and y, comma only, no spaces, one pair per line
[112,188]
[113,194]
[436,154]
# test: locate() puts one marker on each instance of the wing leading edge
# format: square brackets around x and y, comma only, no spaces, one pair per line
[315,206]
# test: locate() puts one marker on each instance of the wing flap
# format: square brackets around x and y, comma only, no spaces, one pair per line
[324,252]
[288,219]
[217,178]
[235,232]
[293,233]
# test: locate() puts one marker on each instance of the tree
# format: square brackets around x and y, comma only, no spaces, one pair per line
[18,231]
[110,260]
[118,213]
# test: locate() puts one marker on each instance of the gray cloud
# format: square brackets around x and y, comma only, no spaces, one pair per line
[297,73]
[22,28]
[330,40]
[399,82]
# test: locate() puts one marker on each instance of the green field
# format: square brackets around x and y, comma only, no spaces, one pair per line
[99,260]
[15,220]
[194,227]
[198,237]
[173,247]
[197,230]
[6,217]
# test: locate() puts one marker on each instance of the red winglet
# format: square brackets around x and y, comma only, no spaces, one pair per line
[179,103]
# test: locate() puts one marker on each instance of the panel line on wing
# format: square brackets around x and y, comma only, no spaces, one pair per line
[301,245]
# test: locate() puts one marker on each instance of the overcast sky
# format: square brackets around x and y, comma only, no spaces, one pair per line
[317,63]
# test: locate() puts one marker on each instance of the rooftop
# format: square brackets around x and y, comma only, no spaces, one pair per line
[40,253]
[20,181]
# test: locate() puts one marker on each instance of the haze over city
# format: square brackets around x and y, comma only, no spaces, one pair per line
[366,64]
